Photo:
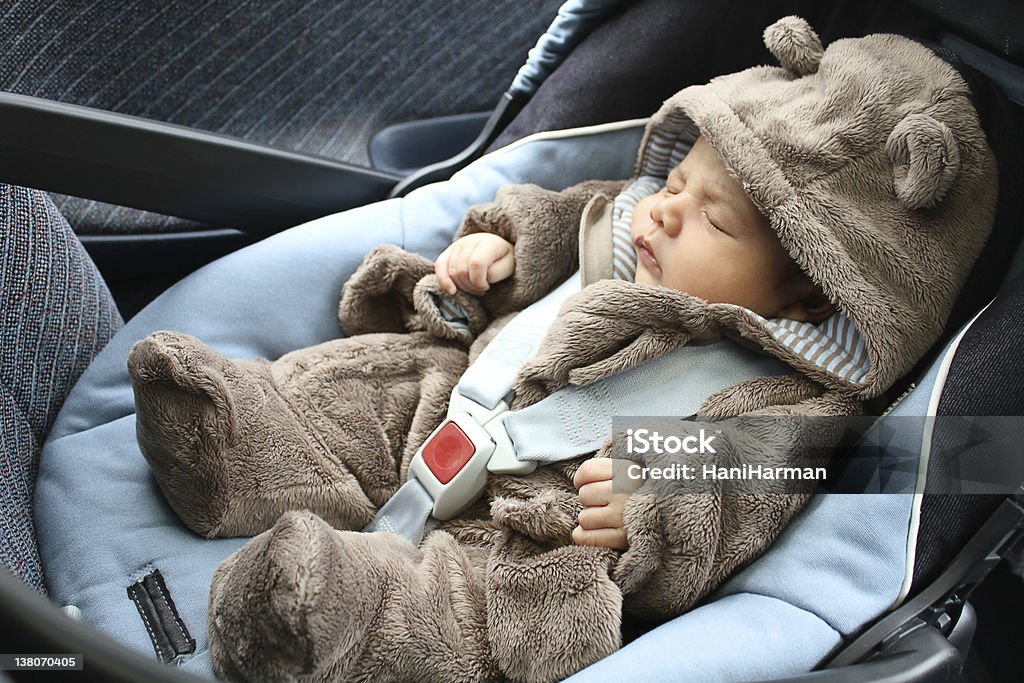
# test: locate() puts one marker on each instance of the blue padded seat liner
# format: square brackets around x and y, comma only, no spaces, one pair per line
[103,523]
[102,520]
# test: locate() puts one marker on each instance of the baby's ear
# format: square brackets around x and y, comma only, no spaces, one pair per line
[818,308]
[925,158]
[811,306]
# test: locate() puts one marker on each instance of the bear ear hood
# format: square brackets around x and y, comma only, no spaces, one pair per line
[869,161]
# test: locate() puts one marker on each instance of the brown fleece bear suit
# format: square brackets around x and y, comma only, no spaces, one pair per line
[869,163]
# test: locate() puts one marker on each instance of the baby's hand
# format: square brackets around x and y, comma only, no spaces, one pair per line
[600,522]
[475,262]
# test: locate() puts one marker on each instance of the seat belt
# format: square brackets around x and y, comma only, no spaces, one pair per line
[483,394]
[481,435]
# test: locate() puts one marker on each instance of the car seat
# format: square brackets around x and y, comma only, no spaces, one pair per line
[281,294]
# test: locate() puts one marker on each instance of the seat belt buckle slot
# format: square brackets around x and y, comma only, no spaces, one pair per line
[503,460]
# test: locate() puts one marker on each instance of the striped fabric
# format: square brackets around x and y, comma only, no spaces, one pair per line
[667,146]
[834,345]
[55,315]
[623,253]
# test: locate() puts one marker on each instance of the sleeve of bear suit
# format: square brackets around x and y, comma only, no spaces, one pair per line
[543,226]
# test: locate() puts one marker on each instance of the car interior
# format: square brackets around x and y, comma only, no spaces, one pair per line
[226,166]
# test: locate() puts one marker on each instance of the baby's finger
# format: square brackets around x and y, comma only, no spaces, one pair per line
[596,493]
[441,271]
[479,260]
[604,517]
[502,268]
[604,538]
[459,266]
[595,469]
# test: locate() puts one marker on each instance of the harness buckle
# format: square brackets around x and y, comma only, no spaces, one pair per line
[453,462]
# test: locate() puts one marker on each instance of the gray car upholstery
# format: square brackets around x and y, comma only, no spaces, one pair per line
[318,76]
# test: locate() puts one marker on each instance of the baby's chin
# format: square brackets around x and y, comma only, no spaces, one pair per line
[644,276]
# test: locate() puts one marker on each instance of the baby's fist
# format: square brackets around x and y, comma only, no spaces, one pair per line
[475,262]
[600,522]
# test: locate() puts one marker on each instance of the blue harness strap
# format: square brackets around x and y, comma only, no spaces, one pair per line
[577,419]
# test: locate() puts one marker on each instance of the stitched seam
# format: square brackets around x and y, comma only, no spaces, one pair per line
[567,417]
[145,620]
[170,606]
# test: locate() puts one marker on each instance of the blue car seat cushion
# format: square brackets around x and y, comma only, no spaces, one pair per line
[282,294]
[55,315]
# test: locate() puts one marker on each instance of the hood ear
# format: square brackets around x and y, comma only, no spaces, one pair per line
[795,44]
[925,158]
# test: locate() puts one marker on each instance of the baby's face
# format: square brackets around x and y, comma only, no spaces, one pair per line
[702,235]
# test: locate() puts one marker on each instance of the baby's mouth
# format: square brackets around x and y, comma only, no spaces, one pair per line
[646,255]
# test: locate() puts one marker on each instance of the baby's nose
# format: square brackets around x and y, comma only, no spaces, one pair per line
[668,213]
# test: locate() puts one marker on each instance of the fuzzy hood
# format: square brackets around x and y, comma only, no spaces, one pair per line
[870,163]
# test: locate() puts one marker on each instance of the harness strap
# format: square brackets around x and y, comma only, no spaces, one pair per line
[480,435]
[489,379]
[480,394]
[406,514]
[577,419]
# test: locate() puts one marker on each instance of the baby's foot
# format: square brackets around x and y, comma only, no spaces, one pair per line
[227,451]
[305,601]
[296,601]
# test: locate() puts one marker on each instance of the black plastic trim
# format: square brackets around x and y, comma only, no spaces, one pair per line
[506,110]
[923,655]
[404,148]
[174,170]
[143,254]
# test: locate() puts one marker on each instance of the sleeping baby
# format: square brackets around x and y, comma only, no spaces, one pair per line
[791,245]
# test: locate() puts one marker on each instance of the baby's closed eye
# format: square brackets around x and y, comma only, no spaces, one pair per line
[714,224]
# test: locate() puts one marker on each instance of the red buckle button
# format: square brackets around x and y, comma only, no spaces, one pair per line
[448,452]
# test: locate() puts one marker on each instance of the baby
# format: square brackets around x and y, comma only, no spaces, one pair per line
[700,234]
[796,260]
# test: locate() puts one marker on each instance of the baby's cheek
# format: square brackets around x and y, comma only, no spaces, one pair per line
[642,215]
